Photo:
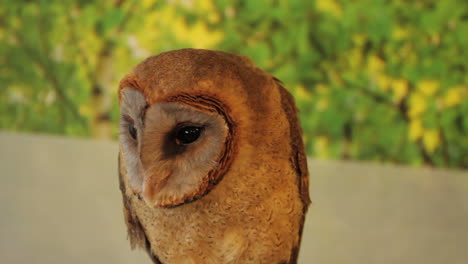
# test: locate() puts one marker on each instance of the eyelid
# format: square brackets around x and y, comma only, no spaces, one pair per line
[128,118]
[189,123]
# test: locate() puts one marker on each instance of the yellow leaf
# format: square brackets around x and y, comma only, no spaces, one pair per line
[355,58]
[201,37]
[455,95]
[147,3]
[213,17]
[206,5]
[375,64]
[383,82]
[415,130]
[431,140]
[428,87]
[180,29]
[400,33]
[209,9]
[302,92]
[321,146]
[417,105]
[329,6]
[400,89]
[359,39]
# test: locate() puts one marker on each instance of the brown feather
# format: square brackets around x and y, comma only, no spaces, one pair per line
[298,158]
[135,231]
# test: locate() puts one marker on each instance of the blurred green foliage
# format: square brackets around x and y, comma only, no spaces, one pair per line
[373,79]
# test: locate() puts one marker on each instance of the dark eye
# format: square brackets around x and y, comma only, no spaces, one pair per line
[132,131]
[188,134]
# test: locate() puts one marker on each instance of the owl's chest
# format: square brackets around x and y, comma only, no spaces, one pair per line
[222,232]
[193,235]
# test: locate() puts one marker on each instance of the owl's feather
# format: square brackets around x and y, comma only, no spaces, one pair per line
[298,157]
[135,231]
[252,209]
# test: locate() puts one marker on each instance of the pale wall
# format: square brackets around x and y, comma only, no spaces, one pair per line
[60,203]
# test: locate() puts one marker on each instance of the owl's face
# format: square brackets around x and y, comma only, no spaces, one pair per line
[175,149]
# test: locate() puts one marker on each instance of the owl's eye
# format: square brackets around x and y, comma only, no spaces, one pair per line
[188,134]
[132,131]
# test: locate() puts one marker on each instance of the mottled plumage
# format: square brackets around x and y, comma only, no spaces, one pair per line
[212,165]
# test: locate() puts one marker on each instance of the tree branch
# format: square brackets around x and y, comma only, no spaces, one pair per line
[66,103]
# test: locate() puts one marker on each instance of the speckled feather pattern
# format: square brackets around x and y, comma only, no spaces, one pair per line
[255,213]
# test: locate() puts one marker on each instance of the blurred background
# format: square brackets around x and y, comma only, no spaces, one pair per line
[374,80]
[379,81]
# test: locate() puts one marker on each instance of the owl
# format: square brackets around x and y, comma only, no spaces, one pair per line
[212,166]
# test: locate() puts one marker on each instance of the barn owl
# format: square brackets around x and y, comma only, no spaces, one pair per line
[211,164]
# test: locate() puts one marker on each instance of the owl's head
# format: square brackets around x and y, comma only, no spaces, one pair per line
[181,116]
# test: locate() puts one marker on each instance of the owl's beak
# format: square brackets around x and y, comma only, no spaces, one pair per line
[151,186]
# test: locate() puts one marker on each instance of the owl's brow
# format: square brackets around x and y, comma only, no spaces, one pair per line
[128,118]
[143,111]
[202,102]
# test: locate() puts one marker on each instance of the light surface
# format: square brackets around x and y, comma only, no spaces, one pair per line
[60,203]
